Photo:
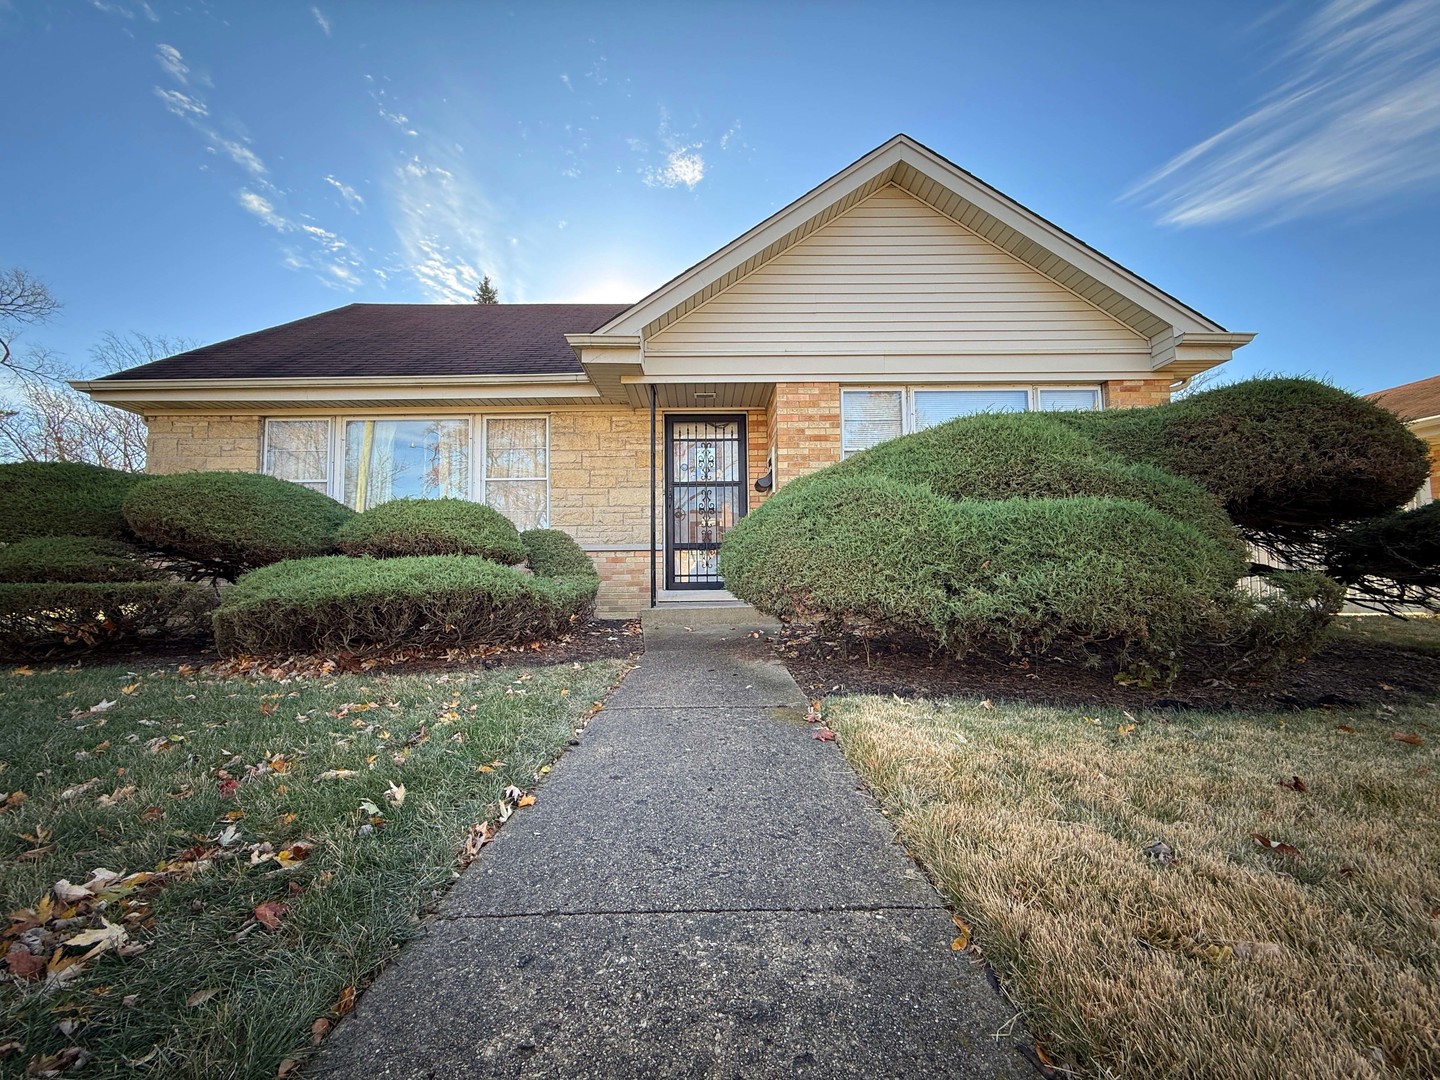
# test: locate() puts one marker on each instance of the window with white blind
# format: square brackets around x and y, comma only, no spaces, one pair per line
[364,461]
[874,414]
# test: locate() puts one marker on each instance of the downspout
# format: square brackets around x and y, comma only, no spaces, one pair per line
[653,530]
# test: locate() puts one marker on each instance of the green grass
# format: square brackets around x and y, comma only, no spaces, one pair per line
[1417,633]
[1321,959]
[455,741]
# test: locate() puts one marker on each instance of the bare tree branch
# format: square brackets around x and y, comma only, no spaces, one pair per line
[24,301]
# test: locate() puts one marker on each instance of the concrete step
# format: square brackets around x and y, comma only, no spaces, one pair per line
[736,615]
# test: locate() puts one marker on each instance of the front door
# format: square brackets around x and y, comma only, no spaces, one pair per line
[704,495]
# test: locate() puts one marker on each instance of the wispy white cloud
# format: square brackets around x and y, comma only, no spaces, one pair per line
[308,246]
[171,60]
[564,78]
[683,165]
[1355,119]
[444,225]
[263,210]
[182,105]
[240,154]
[321,20]
[353,198]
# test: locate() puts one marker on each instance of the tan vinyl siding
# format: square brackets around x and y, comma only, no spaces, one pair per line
[894,276]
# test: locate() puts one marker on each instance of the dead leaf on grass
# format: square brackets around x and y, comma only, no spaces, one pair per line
[1160,851]
[58,1063]
[270,913]
[24,964]
[1294,784]
[319,1030]
[1409,738]
[345,1003]
[337,774]
[199,997]
[1277,847]
[395,794]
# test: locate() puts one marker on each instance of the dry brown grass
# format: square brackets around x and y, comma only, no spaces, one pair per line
[1231,962]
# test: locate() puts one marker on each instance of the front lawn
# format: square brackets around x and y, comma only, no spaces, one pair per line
[1200,895]
[200,872]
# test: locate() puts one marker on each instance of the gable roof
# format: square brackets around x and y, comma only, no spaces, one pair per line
[957,194]
[1418,400]
[394,340]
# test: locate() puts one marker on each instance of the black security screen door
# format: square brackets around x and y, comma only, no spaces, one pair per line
[704,495]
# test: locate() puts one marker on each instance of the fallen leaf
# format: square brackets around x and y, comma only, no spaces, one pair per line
[75,791]
[1279,847]
[102,706]
[116,796]
[318,1030]
[142,1059]
[287,1066]
[1124,729]
[823,734]
[1160,851]
[67,893]
[1346,728]
[108,936]
[58,1063]
[270,913]
[24,964]
[961,941]
[22,671]
[525,800]
[337,774]
[268,707]
[345,1003]
[130,688]
[199,997]
[1407,737]
[395,795]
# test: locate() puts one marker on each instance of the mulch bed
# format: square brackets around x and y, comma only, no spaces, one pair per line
[598,639]
[1342,674]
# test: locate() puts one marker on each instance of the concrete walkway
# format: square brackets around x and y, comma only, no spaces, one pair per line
[701,890]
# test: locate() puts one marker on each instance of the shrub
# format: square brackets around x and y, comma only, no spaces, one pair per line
[1285,456]
[432,527]
[1017,573]
[36,618]
[1289,617]
[64,498]
[343,603]
[230,522]
[72,559]
[1403,547]
[1032,455]
[552,553]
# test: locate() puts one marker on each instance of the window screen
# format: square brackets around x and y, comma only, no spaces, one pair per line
[299,451]
[870,417]
[936,406]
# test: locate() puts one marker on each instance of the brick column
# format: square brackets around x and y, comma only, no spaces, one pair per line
[807,428]
[1135,393]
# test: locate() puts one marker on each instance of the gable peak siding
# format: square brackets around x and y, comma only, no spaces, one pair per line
[894,276]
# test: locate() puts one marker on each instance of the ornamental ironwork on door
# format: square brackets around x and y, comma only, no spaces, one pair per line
[704,495]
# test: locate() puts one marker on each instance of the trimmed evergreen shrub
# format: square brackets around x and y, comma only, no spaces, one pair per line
[35,618]
[870,551]
[1289,617]
[1285,456]
[552,553]
[230,522]
[342,603]
[62,498]
[432,527]
[73,559]
[1403,547]
[1032,455]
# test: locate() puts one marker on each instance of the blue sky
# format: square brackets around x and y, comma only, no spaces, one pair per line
[207,169]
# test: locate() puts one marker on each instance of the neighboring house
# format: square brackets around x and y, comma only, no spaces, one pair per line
[1418,404]
[899,293]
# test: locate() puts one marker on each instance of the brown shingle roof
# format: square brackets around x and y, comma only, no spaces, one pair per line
[396,339]
[1413,401]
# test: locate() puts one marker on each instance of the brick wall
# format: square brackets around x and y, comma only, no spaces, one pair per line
[1133,393]
[807,428]
[188,443]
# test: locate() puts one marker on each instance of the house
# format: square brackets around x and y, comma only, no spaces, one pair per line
[899,293]
[1418,404]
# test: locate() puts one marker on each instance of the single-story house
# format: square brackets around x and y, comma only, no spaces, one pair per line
[1418,404]
[901,292]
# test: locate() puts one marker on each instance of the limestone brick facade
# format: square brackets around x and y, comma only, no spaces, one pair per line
[187,442]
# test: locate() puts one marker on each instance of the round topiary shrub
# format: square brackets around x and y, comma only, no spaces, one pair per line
[340,603]
[432,527]
[62,498]
[230,522]
[1284,456]
[73,559]
[38,619]
[554,554]
[873,552]
[1031,455]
